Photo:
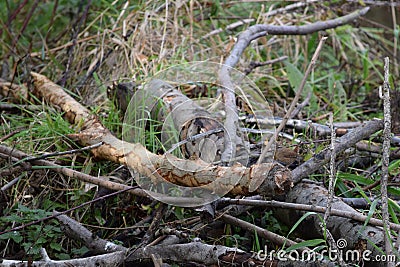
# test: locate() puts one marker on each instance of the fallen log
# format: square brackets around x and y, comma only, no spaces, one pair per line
[356,239]
[211,181]
[197,172]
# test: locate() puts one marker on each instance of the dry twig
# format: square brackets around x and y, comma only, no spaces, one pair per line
[385,95]
[269,143]
[295,100]
[304,207]
[331,191]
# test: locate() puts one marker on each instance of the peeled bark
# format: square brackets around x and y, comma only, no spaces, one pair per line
[159,168]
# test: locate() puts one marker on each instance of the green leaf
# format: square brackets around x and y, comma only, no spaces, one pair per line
[33,250]
[366,66]
[371,212]
[14,218]
[362,193]
[56,246]
[99,83]
[30,248]
[307,214]
[80,251]
[393,208]
[394,191]
[23,209]
[257,241]
[344,190]
[295,77]
[312,44]
[307,243]
[15,236]
[63,256]
[355,178]
[395,165]
[41,240]
[99,218]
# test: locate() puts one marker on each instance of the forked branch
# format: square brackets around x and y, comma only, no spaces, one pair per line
[252,33]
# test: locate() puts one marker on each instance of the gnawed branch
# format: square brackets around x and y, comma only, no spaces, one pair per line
[190,173]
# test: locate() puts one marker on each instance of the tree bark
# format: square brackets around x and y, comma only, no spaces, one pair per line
[189,173]
[357,236]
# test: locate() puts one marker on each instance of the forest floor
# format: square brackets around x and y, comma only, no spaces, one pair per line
[69,70]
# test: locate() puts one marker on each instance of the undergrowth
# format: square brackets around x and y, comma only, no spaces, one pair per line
[87,47]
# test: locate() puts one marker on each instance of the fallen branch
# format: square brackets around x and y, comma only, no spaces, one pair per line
[195,251]
[17,155]
[267,235]
[353,233]
[252,33]
[110,259]
[189,173]
[268,14]
[12,152]
[78,232]
[341,128]
[344,142]
[190,252]
[14,93]
[354,215]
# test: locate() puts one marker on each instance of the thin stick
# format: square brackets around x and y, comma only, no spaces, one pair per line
[294,102]
[303,207]
[385,95]
[275,238]
[72,151]
[256,64]
[331,191]
[332,171]
[73,173]
[394,20]
[11,134]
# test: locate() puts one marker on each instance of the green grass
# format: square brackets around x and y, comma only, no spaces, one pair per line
[343,82]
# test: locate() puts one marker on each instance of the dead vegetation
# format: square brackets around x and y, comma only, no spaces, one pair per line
[64,204]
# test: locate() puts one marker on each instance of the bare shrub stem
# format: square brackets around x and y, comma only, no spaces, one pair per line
[385,95]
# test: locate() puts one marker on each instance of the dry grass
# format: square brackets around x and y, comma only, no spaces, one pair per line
[135,43]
